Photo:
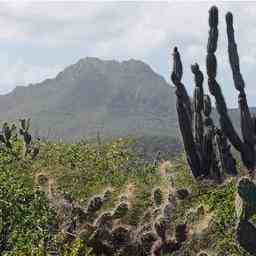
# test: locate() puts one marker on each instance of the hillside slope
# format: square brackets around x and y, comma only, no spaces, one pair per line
[114,98]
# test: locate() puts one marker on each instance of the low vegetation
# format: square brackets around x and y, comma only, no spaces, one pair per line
[58,202]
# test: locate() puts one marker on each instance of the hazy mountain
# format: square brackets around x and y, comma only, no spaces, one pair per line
[110,97]
[114,98]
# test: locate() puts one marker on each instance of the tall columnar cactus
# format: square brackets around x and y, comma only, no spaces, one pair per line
[198,105]
[207,149]
[245,146]
[206,155]
[184,110]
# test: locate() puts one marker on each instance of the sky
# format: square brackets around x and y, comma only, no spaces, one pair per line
[39,39]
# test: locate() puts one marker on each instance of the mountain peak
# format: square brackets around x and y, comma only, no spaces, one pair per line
[92,91]
[94,65]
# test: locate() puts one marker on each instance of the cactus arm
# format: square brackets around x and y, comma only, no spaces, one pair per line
[188,139]
[247,125]
[184,112]
[227,161]
[214,88]
[208,135]
[198,105]
[176,78]
[246,119]
[207,150]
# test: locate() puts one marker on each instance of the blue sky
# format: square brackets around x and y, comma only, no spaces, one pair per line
[37,40]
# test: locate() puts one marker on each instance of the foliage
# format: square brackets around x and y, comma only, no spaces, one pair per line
[26,218]
[78,248]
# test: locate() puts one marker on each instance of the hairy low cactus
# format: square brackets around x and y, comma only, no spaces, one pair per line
[121,236]
[202,254]
[107,195]
[121,210]
[182,193]
[160,227]
[123,198]
[95,204]
[164,247]
[99,244]
[105,219]
[146,242]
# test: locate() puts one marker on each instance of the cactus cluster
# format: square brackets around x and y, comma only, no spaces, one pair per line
[108,233]
[30,147]
[9,135]
[207,147]
[208,152]
[245,146]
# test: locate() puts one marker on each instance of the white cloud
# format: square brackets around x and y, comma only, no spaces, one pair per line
[120,31]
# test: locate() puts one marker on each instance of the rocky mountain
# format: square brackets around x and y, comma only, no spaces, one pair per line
[110,97]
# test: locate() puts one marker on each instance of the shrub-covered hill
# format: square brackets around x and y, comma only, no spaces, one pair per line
[101,199]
